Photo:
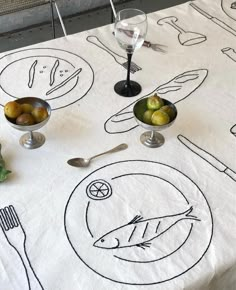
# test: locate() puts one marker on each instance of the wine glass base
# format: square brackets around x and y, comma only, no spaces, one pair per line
[124,90]
[32,143]
[152,139]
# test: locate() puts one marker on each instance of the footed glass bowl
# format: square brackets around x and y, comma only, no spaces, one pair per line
[151,138]
[31,140]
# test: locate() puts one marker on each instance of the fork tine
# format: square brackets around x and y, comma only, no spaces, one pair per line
[125,65]
[2,224]
[160,49]
[132,69]
[3,220]
[14,216]
[136,69]
[8,218]
[135,66]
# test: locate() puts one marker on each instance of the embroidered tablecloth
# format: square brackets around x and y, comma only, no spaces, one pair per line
[142,218]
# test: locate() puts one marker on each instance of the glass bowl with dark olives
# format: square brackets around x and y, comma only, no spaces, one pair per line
[28,114]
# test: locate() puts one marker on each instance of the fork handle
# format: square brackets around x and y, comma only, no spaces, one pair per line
[33,281]
[96,41]
[147,43]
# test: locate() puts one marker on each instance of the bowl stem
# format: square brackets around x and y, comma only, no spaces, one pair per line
[32,140]
[152,139]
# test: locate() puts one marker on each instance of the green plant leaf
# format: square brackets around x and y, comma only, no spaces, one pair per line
[3,171]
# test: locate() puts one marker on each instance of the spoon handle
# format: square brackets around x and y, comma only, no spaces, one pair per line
[118,148]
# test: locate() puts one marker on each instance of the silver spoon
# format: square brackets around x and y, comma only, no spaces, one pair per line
[84,162]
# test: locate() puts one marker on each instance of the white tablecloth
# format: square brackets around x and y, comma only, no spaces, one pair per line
[167,215]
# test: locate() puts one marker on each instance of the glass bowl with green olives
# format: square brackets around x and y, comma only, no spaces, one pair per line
[28,114]
[154,114]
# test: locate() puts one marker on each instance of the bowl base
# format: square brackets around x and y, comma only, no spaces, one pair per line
[36,141]
[152,139]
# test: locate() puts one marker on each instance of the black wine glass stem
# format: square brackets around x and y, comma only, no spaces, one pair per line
[129,56]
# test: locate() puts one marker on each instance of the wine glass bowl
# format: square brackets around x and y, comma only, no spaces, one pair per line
[130,31]
[152,138]
[31,140]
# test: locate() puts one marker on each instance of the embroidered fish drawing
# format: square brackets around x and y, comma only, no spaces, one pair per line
[139,232]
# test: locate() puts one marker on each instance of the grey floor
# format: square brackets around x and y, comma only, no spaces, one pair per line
[77,23]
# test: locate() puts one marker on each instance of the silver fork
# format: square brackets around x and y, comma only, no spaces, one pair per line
[121,60]
[155,46]
[16,238]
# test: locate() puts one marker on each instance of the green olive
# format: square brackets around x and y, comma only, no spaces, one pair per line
[160,118]
[169,110]
[154,102]
[147,117]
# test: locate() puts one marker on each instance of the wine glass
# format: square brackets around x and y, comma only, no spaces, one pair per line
[130,31]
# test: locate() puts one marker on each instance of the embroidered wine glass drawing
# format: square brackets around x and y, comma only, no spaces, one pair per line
[186,38]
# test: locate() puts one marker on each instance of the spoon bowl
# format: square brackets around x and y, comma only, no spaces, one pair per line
[79,162]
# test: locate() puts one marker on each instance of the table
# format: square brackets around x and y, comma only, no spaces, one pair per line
[186,187]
